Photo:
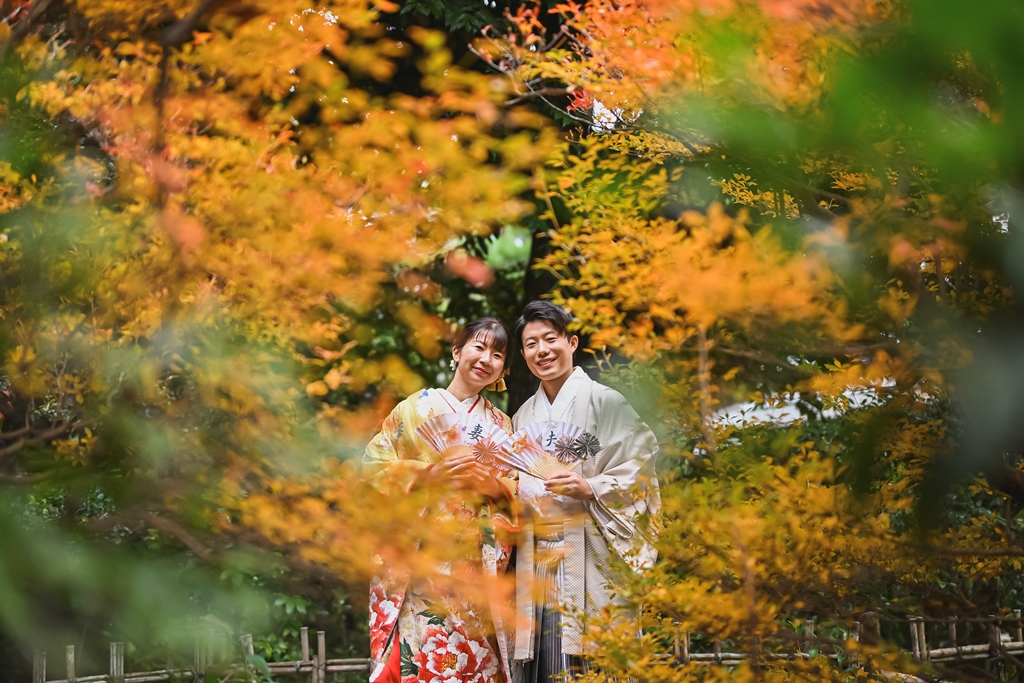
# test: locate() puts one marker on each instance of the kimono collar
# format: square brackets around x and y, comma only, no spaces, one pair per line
[563,401]
[456,405]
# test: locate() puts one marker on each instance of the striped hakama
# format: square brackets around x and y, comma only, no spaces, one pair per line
[549,662]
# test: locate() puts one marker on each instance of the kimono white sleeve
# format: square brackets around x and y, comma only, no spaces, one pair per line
[625,488]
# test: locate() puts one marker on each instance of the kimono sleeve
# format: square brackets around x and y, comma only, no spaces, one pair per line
[388,463]
[625,487]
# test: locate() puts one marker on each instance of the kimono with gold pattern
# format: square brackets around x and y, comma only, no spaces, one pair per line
[437,638]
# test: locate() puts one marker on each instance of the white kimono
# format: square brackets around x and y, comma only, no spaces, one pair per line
[621,517]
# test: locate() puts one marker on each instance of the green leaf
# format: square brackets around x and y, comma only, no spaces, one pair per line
[435,614]
[405,657]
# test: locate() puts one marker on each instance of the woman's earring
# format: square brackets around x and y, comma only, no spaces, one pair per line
[452,363]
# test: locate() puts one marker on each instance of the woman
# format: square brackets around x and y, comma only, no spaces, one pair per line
[410,638]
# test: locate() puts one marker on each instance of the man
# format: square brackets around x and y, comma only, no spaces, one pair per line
[575,520]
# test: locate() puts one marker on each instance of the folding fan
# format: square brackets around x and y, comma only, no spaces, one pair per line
[544,449]
[493,451]
[454,431]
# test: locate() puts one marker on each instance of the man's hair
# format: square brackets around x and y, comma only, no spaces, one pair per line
[491,330]
[546,311]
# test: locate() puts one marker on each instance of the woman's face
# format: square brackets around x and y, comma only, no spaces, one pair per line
[479,363]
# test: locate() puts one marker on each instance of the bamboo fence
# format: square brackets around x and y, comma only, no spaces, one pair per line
[1005,640]
[205,658]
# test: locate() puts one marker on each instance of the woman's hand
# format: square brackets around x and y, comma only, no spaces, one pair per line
[570,484]
[480,478]
[462,471]
[455,462]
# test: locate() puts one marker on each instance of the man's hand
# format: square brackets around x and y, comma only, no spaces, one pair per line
[569,484]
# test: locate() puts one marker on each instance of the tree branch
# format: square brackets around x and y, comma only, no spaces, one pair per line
[833,351]
[539,93]
[22,479]
[1006,479]
[1006,653]
[39,437]
[22,28]
[854,349]
[181,533]
[181,30]
[15,433]
[704,378]
[810,205]
[976,552]
[767,360]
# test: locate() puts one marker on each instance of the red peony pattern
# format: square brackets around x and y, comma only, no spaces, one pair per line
[454,658]
[456,507]
[383,613]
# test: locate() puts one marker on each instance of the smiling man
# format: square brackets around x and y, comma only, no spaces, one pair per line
[576,520]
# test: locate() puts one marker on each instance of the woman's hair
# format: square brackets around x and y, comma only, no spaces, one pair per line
[491,329]
[547,311]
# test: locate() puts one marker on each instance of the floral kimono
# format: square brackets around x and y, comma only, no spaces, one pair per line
[417,635]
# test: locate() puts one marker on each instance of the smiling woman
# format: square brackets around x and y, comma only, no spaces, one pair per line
[417,628]
[479,356]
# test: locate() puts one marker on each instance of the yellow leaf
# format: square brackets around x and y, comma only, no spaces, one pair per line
[318,388]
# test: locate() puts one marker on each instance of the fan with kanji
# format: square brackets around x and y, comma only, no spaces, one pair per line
[454,432]
[545,449]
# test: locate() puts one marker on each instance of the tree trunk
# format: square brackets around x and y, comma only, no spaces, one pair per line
[521,382]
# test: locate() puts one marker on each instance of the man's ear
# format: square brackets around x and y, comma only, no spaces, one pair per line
[574,341]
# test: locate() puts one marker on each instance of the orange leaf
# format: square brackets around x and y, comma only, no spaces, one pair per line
[186,231]
[469,268]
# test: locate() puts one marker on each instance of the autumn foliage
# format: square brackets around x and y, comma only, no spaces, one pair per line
[769,207]
[226,228]
[185,285]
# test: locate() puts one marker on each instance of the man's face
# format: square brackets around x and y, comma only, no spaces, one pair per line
[548,353]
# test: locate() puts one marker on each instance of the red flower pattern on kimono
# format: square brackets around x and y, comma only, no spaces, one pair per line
[456,507]
[383,613]
[454,658]
[406,645]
